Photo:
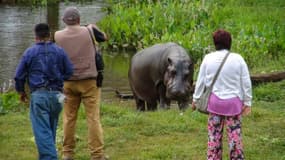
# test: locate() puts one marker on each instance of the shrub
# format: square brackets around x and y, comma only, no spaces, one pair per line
[257,35]
[10,102]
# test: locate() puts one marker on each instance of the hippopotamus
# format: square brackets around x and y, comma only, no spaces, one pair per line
[161,73]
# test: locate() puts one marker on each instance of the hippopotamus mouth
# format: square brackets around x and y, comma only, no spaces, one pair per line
[177,95]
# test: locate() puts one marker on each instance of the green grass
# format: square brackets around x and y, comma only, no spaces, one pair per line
[160,135]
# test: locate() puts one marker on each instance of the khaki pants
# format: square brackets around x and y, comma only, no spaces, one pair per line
[87,92]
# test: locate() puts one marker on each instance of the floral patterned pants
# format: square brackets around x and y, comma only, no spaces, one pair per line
[216,124]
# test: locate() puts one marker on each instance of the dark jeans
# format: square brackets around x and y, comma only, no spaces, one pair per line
[44,112]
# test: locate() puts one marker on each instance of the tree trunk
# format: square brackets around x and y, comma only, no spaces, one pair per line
[53,16]
[267,77]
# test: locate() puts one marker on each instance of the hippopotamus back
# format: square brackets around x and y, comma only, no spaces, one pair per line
[161,73]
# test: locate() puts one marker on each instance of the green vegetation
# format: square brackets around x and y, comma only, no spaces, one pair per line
[9,102]
[160,135]
[257,27]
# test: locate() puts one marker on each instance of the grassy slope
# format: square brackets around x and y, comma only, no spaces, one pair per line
[161,135]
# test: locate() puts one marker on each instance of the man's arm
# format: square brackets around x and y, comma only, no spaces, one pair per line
[68,67]
[99,35]
[20,79]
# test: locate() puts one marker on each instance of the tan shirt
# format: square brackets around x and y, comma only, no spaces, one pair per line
[76,41]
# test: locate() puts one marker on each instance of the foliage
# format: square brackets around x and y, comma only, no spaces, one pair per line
[10,102]
[257,35]
[144,24]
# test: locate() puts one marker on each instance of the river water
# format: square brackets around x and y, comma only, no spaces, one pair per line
[16,34]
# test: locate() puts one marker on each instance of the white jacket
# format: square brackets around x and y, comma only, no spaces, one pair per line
[233,80]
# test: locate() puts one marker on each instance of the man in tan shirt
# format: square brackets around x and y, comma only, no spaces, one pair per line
[81,87]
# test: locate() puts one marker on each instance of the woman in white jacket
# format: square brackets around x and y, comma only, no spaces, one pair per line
[230,98]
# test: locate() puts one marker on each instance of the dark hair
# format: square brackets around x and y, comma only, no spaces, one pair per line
[42,30]
[222,39]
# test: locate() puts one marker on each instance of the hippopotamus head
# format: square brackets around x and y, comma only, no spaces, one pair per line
[178,77]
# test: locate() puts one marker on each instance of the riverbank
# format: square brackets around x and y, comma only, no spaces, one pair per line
[160,135]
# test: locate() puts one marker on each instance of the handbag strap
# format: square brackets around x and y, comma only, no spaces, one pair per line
[219,69]
[92,39]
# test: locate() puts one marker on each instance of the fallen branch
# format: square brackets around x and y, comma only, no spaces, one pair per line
[267,77]
[124,95]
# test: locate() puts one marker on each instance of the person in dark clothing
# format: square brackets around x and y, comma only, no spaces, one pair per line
[44,66]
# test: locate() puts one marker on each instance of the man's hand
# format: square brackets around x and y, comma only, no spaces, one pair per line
[23,97]
[246,110]
[193,106]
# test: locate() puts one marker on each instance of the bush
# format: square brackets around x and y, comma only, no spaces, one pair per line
[10,102]
[257,35]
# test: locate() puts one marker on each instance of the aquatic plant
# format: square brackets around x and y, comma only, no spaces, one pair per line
[257,35]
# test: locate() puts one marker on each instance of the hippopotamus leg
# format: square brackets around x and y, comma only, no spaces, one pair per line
[164,102]
[140,104]
[151,106]
[183,105]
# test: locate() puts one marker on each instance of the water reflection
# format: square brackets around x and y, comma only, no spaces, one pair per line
[16,34]
[16,25]
[115,75]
